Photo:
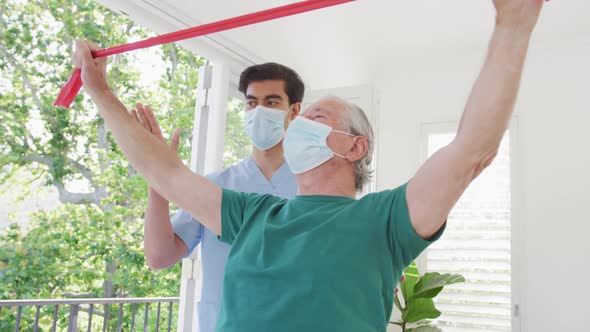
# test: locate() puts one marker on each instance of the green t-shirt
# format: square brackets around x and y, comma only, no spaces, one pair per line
[314,263]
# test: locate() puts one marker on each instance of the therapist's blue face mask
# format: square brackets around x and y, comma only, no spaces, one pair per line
[305,144]
[265,126]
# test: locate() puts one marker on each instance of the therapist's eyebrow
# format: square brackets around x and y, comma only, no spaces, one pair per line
[251,97]
[273,97]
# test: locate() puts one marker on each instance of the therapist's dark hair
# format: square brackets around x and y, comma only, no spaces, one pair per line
[294,87]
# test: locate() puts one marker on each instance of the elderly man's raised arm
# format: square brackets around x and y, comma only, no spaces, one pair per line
[152,158]
[443,178]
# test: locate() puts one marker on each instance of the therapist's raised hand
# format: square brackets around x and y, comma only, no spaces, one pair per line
[94,71]
[144,115]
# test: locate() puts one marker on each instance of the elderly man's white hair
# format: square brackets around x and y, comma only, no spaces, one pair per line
[355,119]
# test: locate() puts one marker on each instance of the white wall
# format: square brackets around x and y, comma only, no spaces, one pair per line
[553,173]
[556,160]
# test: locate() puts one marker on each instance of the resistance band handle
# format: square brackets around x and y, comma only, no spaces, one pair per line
[72,87]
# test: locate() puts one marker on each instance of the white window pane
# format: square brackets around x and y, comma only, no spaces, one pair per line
[476,244]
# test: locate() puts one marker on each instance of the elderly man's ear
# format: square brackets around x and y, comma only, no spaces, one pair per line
[359,149]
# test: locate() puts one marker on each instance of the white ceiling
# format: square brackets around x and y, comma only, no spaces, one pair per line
[348,43]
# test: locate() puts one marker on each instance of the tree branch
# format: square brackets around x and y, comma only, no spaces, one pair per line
[174,59]
[85,257]
[66,196]
[82,169]
[80,295]
[103,143]
[38,159]
[23,72]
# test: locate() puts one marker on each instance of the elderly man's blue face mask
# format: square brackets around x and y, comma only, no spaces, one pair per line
[305,144]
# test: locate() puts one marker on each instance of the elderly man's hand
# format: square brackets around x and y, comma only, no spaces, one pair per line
[94,76]
[520,15]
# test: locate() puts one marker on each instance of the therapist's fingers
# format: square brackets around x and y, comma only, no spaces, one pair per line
[175,141]
[151,118]
[134,115]
[143,118]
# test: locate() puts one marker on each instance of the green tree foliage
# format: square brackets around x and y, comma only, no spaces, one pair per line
[237,143]
[92,245]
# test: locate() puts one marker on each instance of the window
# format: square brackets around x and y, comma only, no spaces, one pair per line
[237,144]
[476,244]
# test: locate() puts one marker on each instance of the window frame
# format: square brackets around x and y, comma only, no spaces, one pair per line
[517,224]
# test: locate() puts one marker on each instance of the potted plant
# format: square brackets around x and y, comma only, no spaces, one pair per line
[416,304]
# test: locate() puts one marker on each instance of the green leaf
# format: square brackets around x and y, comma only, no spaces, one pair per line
[412,277]
[433,282]
[429,294]
[420,308]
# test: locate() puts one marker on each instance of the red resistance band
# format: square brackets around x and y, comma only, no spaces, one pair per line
[71,88]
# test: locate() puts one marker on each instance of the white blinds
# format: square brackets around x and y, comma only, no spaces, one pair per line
[476,244]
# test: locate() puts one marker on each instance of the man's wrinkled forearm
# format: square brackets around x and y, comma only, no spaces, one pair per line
[493,96]
[153,159]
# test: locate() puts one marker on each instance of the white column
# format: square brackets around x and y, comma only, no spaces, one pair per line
[206,157]
[186,309]
[201,126]
[190,276]
[218,98]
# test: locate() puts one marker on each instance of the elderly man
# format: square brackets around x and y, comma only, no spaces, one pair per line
[324,261]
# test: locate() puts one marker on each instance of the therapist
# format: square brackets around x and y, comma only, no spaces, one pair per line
[324,261]
[273,95]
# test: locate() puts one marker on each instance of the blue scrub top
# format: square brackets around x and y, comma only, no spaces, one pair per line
[244,176]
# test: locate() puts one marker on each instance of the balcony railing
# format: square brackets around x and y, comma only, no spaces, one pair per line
[89,314]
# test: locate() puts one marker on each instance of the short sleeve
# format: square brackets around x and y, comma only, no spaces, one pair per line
[186,227]
[406,244]
[238,209]
[233,205]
